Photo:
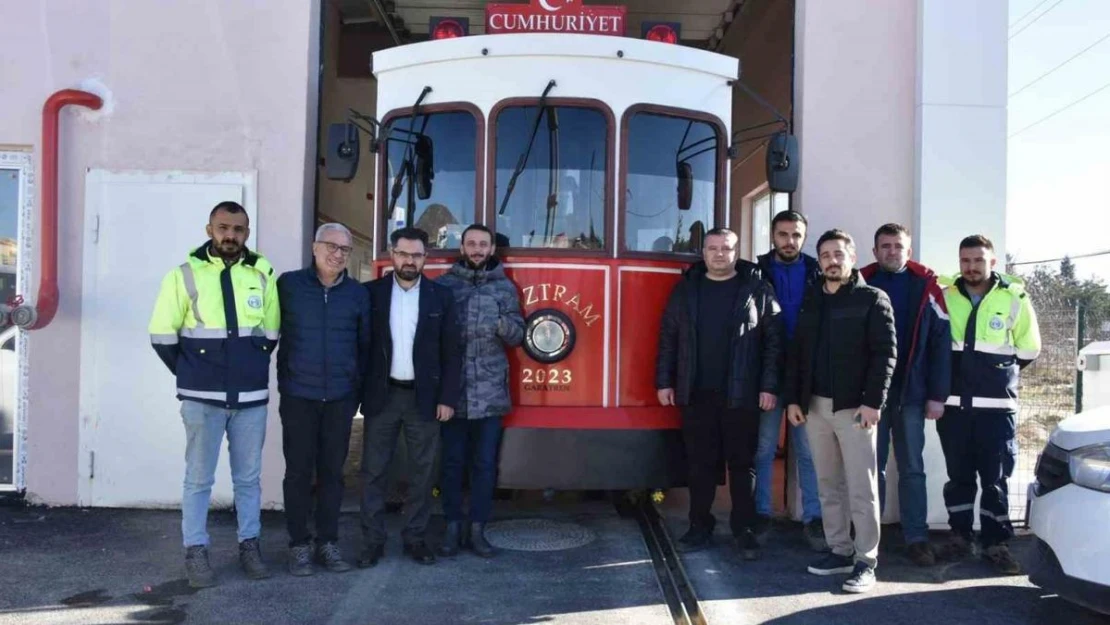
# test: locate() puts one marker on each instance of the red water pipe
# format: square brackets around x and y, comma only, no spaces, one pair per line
[47,303]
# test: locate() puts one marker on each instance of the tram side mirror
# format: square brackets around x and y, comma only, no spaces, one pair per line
[341,161]
[783,163]
[685,174]
[424,171]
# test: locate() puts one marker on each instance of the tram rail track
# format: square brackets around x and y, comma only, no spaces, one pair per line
[678,592]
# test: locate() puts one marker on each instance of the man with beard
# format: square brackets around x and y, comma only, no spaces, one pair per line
[994,335]
[489,310]
[921,379]
[792,273]
[838,371]
[413,385]
[215,323]
[325,340]
[718,360]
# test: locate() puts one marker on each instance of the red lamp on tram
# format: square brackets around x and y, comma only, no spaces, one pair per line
[663,32]
[448,27]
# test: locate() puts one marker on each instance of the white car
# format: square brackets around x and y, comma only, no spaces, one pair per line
[1069,511]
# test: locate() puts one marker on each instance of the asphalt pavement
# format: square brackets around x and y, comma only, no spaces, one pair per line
[566,562]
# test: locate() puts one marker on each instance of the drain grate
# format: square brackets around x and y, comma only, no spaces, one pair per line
[537,535]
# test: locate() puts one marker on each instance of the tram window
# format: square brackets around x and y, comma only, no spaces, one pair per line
[450,208]
[558,199]
[658,146]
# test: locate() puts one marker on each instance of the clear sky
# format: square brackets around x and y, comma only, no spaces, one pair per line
[1058,179]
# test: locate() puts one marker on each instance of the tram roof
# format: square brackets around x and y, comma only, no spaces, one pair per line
[557,45]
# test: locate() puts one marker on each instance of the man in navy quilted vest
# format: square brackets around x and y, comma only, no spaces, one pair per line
[325,340]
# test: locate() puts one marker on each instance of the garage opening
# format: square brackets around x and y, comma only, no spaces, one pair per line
[758,32]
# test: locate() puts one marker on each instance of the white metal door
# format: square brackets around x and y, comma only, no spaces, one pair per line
[138,227]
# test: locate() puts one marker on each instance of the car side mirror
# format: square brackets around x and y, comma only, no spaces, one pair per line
[341,161]
[424,171]
[685,174]
[783,163]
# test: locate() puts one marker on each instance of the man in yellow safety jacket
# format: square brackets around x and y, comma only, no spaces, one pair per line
[994,336]
[215,324]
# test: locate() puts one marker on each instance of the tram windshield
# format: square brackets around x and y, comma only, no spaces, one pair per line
[659,148]
[450,207]
[549,189]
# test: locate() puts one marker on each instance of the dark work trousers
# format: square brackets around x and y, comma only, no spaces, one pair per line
[315,439]
[716,435]
[470,442]
[978,442]
[379,439]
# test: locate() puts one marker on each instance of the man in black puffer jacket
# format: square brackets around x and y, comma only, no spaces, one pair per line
[719,352]
[838,371]
[325,339]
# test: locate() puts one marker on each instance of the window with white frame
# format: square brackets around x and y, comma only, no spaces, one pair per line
[15,207]
[764,208]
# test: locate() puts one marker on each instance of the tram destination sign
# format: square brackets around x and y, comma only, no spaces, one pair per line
[555,16]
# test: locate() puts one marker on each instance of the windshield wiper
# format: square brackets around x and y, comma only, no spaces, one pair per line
[404,173]
[528,150]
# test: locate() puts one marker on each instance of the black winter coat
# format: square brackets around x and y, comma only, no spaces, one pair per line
[756,339]
[863,347]
[325,336]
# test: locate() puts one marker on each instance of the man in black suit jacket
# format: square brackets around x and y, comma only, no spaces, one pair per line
[413,384]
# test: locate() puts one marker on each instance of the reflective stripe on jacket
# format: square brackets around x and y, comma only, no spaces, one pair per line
[215,326]
[991,342]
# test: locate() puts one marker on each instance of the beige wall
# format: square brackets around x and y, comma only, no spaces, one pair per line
[194,85]
[346,202]
[854,105]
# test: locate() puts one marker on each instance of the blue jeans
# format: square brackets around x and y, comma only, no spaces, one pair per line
[770,423]
[472,442]
[908,423]
[204,433]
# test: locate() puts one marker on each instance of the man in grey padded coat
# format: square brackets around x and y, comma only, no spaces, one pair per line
[489,311]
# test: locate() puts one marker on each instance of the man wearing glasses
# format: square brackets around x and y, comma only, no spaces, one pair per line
[413,385]
[325,340]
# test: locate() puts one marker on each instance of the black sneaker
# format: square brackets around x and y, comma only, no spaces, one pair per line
[250,558]
[832,564]
[420,552]
[762,526]
[698,537]
[862,579]
[197,568]
[748,546]
[329,556]
[814,532]
[300,560]
[370,555]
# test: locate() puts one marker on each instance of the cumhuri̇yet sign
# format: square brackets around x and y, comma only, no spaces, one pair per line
[555,16]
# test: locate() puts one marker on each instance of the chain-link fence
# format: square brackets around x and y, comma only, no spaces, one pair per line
[1048,387]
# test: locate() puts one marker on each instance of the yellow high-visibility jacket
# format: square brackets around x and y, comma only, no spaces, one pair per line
[215,326]
[991,342]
